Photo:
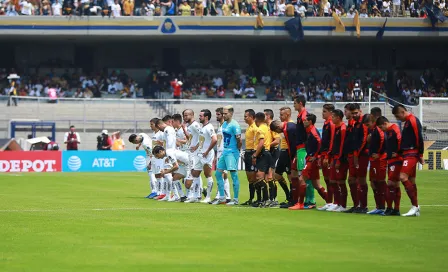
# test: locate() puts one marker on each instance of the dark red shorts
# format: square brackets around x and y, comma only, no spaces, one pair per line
[361,171]
[339,174]
[393,171]
[378,170]
[311,170]
[410,166]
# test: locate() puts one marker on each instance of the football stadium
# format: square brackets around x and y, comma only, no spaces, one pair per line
[219,135]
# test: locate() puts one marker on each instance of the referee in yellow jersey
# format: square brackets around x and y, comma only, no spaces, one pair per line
[249,118]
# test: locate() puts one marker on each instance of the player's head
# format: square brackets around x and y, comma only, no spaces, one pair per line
[310,120]
[327,109]
[376,112]
[299,102]
[227,113]
[218,113]
[260,118]
[369,120]
[400,112]
[355,111]
[168,120]
[134,139]
[205,116]
[153,124]
[161,125]
[158,152]
[72,128]
[347,112]
[382,122]
[188,115]
[285,114]
[269,115]
[177,120]
[249,116]
[337,116]
[276,126]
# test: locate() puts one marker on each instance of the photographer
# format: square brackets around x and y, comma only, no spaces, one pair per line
[104,142]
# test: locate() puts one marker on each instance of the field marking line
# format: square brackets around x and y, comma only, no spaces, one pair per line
[139,209]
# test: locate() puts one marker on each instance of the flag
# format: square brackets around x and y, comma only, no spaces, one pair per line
[380,33]
[295,29]
[435,15]
[259,24]
[340,27]
[357,24]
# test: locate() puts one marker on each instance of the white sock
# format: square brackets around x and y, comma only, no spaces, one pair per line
[209,186]
[227,188]
[152,182]
[159,186]
[196,185]
[178,189]
[169,184]
[163,186]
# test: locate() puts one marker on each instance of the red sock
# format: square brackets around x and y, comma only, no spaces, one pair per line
[397,198]
[322,193]
[364,190]
[344,193]
[415,189]
[354,193]
[295,189]
[329,198]
[375,193]
[390,195]
[302,190]
[410,190]
[336,193]
[382,194]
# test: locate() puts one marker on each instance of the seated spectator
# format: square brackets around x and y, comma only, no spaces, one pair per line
[279,95]
[338,96]
[184,8]
[249,92]
[210,93]
[237,92]
[266,79]
[221,93]
[328,95]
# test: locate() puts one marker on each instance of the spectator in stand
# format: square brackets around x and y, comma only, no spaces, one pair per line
[249,92]
[72,139]
[237,92]
[221,93]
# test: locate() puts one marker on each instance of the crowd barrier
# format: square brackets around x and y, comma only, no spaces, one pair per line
[122,161]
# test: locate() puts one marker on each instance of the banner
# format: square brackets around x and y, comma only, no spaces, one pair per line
[30,161]
[103,161]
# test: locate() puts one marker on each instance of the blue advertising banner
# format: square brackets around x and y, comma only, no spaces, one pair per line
[103,161]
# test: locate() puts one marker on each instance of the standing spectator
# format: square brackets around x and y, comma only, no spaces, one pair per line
[118,143]
[27,8]
[57,8]
[106,143]
[396,7]
[184,8]
[116,9]
[72,139]
[128,8]
[12,91]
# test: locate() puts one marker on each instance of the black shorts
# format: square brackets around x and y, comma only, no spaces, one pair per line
[275,154]
[264,161]
[284,163]
[248,161]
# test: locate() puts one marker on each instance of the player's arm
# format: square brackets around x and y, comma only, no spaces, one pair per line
[78,138]
[374,145]
[341,148]
[214,140]
[292,139]
[365,133]
[332,132]
[237,131]
[276,140]
[318,145]
[172,169]
[419,138]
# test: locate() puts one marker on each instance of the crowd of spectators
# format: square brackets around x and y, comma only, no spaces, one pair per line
[72,85]
[117,8]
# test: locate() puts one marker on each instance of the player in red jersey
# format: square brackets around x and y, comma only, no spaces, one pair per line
[311,169]
[327,135]
[339,164]
[412,148]
[378,164]
[394,163]
[358,159]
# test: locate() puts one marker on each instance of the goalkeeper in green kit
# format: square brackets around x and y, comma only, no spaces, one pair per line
[299,106]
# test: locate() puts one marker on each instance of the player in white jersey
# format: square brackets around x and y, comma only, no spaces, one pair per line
[169,143]
[157,164]
[178,167]
[219,150]
[181,139]
[144,141]
[192,130]
[206,154]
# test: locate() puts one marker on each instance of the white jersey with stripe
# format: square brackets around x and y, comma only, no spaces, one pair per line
[169,138]
[194,129]
[158,136]
[220,143]
[205,137]
[181,136]
[146,144]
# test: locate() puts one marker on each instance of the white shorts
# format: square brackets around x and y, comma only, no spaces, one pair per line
[183,170]
[158,164]
[202,161]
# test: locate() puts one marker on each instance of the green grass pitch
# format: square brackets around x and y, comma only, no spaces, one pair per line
[101,222]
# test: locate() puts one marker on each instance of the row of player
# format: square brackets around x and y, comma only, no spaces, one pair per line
[183,149]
